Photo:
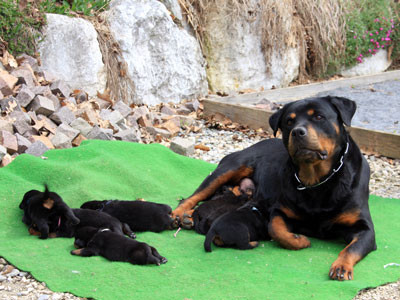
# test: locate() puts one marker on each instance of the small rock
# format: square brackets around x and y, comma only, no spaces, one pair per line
[2,278]
[70,132]
[183,146]
[165,109]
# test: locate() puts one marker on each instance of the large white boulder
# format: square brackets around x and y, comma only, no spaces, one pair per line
[234,53]
[371,65]
[71,52]
[164,61]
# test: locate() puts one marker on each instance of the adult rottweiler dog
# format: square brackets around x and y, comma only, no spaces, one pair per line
[314,181]
[40,207]
[94,241]
[241,228]
[47,215]
[139,215]
[226,200]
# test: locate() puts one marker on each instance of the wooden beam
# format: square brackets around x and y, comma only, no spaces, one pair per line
[308,90]
[383,143]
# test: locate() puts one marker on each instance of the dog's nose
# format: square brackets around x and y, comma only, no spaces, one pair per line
[299,131]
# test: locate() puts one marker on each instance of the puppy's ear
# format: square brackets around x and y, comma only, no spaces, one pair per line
[345,107]
[275,120]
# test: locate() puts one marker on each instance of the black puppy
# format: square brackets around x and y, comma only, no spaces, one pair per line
[241,228]
[47,215]
[92,218]
[139,215]
[225,201]
[40,207]
[93,241]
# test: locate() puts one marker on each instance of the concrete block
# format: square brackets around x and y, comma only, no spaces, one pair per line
[129,135]
[158,131]
[9,105]
[21,127]
[3,152]
[55,100]
[23,143]
[100,133]
[31,61]
[60,87]
[193,105]
[82,126]
[25,75]
[37,149]
[25,96]
[165,109]
[124,109]
[9,141]
[183,146]
[41,105]
[7,83]
[41,90]
[6,125]
[70,132]
[61,141]
[44,139]
[63,115]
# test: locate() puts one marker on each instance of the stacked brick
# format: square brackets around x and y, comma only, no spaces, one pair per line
[40,112]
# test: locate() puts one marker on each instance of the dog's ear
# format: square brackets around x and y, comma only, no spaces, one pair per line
[345,107]
[275,120]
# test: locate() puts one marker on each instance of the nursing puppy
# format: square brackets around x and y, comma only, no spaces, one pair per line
[228,199]
[93,241]
[139,215]
[241,228]
[40,208]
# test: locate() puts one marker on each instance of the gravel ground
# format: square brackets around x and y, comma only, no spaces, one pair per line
[373,111]
[385,182]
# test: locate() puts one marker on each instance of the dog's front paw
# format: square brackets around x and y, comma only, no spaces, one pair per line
[187,221]
[132,235]
[341,270]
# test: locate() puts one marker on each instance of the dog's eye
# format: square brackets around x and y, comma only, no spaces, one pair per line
[318,117]
[290,122]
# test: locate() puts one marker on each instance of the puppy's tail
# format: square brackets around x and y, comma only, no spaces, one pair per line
[46,191]
[209,238]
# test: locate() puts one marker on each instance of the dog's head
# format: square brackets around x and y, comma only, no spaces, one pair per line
[41,207]
[313,131]
[36,204]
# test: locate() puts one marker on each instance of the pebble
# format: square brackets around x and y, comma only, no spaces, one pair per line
[385,182]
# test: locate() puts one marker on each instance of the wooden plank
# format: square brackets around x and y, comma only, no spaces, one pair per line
[308,90]
[383,143]
[249,116]
[380,142]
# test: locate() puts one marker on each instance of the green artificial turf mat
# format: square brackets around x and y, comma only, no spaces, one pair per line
[118,170]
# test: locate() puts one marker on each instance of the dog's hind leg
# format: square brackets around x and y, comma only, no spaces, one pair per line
[85,252]
[128,231]
[155,253]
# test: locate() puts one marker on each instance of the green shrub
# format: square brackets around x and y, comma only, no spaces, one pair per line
[18,28]
[370,26]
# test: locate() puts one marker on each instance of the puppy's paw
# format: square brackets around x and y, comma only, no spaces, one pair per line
[132,235]
[164,260]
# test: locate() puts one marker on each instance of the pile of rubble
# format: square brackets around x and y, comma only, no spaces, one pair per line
[39,112]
